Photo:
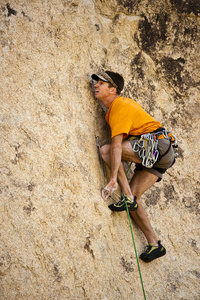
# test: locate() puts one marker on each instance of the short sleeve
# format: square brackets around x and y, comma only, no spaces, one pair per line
[120,124]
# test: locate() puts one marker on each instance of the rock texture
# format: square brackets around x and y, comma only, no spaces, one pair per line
[58,238]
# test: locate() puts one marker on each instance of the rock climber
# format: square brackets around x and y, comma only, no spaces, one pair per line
[128,121]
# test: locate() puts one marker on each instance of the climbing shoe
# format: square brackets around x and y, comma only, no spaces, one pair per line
[152,252]
[120,206]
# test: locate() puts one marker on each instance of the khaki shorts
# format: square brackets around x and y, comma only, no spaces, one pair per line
[162,164]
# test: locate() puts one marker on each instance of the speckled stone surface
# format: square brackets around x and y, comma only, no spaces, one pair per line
[58,239]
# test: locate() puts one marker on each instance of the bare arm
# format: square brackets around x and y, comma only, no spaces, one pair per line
[115,155]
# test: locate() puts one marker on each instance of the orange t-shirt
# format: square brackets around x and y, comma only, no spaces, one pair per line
[125,116]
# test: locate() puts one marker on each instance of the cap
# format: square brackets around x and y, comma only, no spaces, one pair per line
[114,79]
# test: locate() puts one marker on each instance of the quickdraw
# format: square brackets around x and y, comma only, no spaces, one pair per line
[147,149]
[147,146]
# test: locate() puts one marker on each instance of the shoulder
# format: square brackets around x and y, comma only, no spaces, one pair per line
[122,101]
[125,103]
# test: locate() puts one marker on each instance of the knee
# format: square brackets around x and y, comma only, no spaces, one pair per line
[105,151]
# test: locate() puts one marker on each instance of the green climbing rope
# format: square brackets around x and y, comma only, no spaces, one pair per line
[98,145]
[135,250]
[133,238]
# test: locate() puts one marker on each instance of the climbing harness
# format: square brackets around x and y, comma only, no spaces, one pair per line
[147,146]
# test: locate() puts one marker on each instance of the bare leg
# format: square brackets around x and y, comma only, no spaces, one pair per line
[140,182]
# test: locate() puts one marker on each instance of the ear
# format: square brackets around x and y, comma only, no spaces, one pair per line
[113,90]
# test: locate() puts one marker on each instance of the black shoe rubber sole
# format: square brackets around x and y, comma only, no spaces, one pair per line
[133,207]
[152,257]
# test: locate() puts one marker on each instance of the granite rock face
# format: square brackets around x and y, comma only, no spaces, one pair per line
[58,238]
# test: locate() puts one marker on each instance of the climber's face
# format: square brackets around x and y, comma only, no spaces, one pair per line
[105,92]
[102,89]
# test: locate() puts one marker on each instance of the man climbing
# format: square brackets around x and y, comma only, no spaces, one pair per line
[128,121]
